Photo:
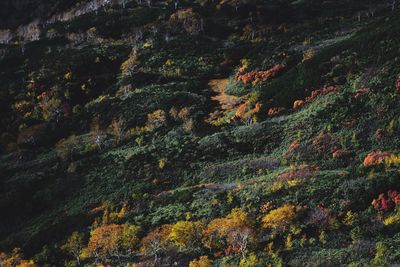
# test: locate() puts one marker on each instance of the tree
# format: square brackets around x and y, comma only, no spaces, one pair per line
[113,240]
[155,242]
[203,261]
[118,128]
[186,234]
[74,246]
[280,219]
[235,229]
[15,259]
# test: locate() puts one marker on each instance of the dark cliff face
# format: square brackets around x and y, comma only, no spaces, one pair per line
[16,12]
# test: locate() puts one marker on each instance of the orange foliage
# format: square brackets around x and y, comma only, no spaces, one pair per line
[156,241]
[376,158]
[298,103]
[258,76]
[257,108]
[241,110]
[113,240]
[320,92]
[235,229]
[276,111]
[315,94]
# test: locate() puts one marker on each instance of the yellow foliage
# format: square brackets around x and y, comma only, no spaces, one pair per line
[203,261]
[68,76]
[161,163]
[186,234]
[393,219]
[251,261]
[280,218]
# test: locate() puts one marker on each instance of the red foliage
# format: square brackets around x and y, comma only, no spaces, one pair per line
[382,203]
[398,85]
[258,76]
[375,158]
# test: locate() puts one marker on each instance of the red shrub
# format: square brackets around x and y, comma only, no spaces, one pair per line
[398,85]
[381,203]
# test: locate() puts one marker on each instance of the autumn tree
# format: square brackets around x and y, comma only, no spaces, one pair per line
[118,128]
[156,242]
[15,259]
[186,235]
[113,240]
[235,229]
[281,218]
[74,246]
[203,261]
[130,66]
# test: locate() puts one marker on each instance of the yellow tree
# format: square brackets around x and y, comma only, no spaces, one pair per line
[281,218]
[186,234]
[203,261]
[235,229]
[74,246]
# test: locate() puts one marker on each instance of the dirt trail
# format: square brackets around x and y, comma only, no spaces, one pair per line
[226,102]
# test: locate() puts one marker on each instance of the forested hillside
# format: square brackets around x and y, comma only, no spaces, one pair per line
[199,133]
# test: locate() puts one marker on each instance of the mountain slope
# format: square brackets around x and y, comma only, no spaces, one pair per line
[151,133]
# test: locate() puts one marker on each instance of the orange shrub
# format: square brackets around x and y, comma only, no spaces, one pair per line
[276,111]
[320,92]
[376,158]
[257,76]
[298,103]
